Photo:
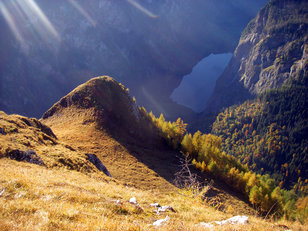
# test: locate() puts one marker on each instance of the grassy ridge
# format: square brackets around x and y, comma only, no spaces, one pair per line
[70,194]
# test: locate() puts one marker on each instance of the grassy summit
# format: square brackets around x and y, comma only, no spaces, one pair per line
[65,191]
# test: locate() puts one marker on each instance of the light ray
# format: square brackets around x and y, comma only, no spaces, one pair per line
[43,18]
[153,101]
[10,21]
[36,26]
[83,12]
[142,9]
[18,10]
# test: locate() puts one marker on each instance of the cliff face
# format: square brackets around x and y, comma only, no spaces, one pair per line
[50,47]
[272,49]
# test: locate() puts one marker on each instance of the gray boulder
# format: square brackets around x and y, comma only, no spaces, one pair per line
[98,164]
[28,156]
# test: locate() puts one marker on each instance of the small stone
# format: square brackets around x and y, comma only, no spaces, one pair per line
[155,205]
[161,221]
[2,131]
[241,220]
[2,192]
[206,225]
[236,220]
[165,208]
[133,200]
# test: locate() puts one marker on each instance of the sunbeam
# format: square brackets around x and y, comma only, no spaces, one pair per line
[11,22]
[142,9]
[83,12]
[153,101]
[34,8]
[26,19]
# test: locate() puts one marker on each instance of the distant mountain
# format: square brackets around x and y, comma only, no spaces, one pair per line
[272,49]
[268,71]
[50,47]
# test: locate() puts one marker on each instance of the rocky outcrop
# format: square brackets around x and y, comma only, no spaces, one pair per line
[272,49]
[147,45]
[28,156]
[236,220]
[28,140]
[98,164]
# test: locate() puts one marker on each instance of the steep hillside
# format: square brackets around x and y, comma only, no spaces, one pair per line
[100,117]
[50,47]
[60,188]
[269,134]
[272,49]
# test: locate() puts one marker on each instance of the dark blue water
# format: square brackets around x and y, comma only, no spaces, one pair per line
[196,88]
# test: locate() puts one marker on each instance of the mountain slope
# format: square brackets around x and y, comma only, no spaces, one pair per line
[149,48]
[37,198]
[27,139]
[100,117]
[272,49]
[54,196]
[269,134]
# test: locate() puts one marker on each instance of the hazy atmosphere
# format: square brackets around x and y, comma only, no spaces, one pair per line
[154,115]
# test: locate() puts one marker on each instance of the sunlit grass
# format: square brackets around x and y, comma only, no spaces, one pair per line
[37,198]
[70,194]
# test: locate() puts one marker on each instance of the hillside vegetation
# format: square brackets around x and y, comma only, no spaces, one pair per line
[269,134]
[262,191]
[63,190]
[38,198]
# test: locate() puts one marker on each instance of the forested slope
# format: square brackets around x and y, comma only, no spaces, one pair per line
[269,134]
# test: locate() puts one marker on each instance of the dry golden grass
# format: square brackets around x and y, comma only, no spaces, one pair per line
[56,198]
[70,194]
[37,198]
[126,161]
[148,167]
[22,133]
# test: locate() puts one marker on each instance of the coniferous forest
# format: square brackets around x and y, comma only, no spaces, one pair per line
[211,153]
[269,134]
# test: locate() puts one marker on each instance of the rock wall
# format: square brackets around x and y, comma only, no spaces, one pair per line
[271,50]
